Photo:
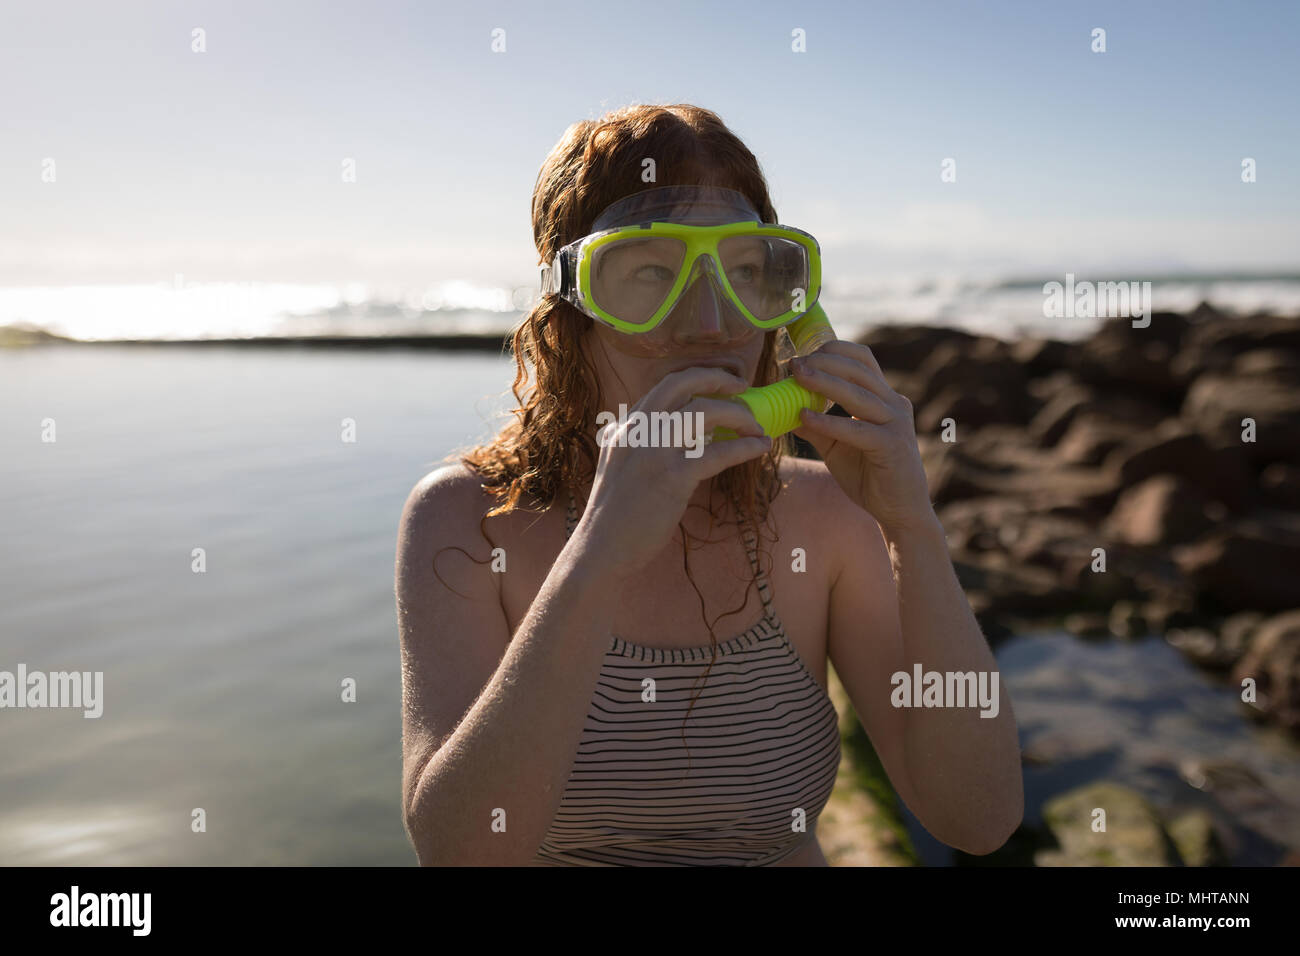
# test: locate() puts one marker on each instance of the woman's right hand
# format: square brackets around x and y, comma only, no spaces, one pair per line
[640,494]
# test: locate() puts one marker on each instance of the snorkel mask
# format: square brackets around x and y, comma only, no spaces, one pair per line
[677,260]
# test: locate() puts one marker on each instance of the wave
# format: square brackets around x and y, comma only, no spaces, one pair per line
[192,312]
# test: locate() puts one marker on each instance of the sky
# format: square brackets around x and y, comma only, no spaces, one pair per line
[225,165]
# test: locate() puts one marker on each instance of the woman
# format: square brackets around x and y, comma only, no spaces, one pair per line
[566,697]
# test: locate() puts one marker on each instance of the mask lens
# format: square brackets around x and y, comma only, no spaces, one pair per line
[631,278]
[703,314]
[766,272]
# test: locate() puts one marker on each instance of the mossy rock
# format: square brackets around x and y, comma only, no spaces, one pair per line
[1133,836]
[1198,844]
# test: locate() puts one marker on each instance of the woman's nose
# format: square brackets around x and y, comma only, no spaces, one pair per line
[704,314]
[702,306]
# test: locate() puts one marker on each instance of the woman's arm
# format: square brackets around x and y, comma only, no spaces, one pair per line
[897,606]
[895,603]
[490,721]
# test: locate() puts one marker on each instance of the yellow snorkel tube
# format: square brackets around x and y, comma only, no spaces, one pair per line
[776,406]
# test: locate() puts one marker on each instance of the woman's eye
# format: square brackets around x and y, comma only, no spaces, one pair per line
[652,273]
[746,273]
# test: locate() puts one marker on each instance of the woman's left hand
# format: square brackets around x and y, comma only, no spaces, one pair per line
[873,455]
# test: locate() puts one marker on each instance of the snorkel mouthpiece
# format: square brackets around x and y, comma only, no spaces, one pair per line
[776,407]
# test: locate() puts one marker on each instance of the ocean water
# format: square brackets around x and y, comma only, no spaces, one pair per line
[187,310]
[222,689]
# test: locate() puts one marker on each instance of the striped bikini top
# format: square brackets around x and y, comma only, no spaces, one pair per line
[741,783]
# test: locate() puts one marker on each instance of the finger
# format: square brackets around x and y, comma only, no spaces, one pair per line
[718,411]
[858,401]
[854,352]
[676,388]
[860,434]
[719,456]
[850,370]
[821,443]
[689,427]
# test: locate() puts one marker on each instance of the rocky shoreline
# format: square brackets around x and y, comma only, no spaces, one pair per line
[1110,486]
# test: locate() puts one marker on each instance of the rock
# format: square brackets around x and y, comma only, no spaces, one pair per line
[1133,834]
[1192,362]
[1047,540]
[977,367]
[1127,620]
[1216,404]
[1165,613]
[1251,563]
[1051,422]
[905,384]
[952,475]
[1131,574]
[1277,364]
[1162,510]
[1239,347]
[1234,336]
[1236,631]
[1013,589]
[1046,387]
[1141,367]
[1173,449]
[1040,356]
[1216,650]
[1279,485]
[977,524]
[1066,743]
[1201,646]
[1213,775]
[1213,346]
[1204,312]
[1054,418]
[1238,790]
[971,408]
[1087,624]
[1004,448]
[1168,328]
[906,347]
[994,462]
[1068,549]
[1091,437]
[1273,660]
[1083,493]
[1137,359]
[1193,834]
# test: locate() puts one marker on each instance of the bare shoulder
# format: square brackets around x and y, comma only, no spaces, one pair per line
[817,502]
[443,510]
[449,494]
